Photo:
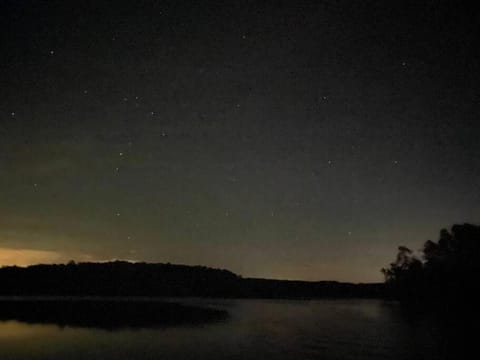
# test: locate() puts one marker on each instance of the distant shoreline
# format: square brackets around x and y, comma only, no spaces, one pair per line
[143,280]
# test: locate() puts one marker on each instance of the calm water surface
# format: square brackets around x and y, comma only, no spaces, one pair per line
[255,329]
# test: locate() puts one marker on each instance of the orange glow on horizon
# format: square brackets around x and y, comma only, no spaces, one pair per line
[25,257]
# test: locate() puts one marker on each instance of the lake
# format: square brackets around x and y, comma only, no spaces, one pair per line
[254,329]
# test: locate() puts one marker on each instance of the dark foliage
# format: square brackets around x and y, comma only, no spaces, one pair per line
[447,274]
[118,278]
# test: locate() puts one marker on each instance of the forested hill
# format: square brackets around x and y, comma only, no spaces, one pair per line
[121,278]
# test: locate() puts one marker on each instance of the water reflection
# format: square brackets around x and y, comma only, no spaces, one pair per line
[107,314]
[14,330]
[254,329]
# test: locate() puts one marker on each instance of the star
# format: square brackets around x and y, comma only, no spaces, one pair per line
[13,114]
[52,52]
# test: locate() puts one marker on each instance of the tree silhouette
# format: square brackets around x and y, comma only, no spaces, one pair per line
[448,271]
[404,275]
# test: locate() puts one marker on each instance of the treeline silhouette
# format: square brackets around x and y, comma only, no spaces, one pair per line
[447,273]
[121,278]
[442,287]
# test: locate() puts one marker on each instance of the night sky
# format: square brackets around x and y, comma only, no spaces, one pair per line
[295,140]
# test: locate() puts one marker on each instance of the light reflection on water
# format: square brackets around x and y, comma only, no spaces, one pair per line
[256,329]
